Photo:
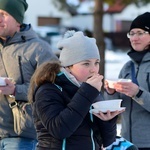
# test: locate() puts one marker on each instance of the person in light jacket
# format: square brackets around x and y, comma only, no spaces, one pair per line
[21,52]
[62,94]
[136,94]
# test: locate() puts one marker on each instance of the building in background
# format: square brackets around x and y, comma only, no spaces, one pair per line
[46,17]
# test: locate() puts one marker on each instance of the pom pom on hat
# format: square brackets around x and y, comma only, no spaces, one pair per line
[16,8]
[69,34]
[75,47]
[142,22]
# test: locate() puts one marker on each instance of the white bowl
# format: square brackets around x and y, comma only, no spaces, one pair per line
[111,83]
[107,104]
[124,80]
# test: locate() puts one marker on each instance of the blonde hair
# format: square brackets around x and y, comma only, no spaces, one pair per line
[46,72]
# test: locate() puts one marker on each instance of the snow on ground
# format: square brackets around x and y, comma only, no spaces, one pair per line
[114,62]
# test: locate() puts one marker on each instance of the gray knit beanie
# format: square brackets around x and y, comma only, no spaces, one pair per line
[16,8]
[75,47]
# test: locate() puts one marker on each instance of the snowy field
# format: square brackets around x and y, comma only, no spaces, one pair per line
[114,62]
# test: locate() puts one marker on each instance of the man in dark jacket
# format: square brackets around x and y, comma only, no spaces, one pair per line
[21,52]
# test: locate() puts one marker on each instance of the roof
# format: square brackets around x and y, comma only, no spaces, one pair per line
[116,7]
[86,7]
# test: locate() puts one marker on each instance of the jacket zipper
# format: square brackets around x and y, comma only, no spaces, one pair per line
[20,68]
[148,83]
[130,114]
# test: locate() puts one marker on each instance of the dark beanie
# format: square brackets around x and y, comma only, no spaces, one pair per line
[16,8]
[142,22]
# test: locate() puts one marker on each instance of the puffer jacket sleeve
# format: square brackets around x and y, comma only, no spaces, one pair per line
[108,131]
[59,119]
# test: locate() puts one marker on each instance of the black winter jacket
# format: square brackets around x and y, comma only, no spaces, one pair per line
[59,114]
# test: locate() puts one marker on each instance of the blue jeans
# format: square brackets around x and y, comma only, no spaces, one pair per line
[17,144]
